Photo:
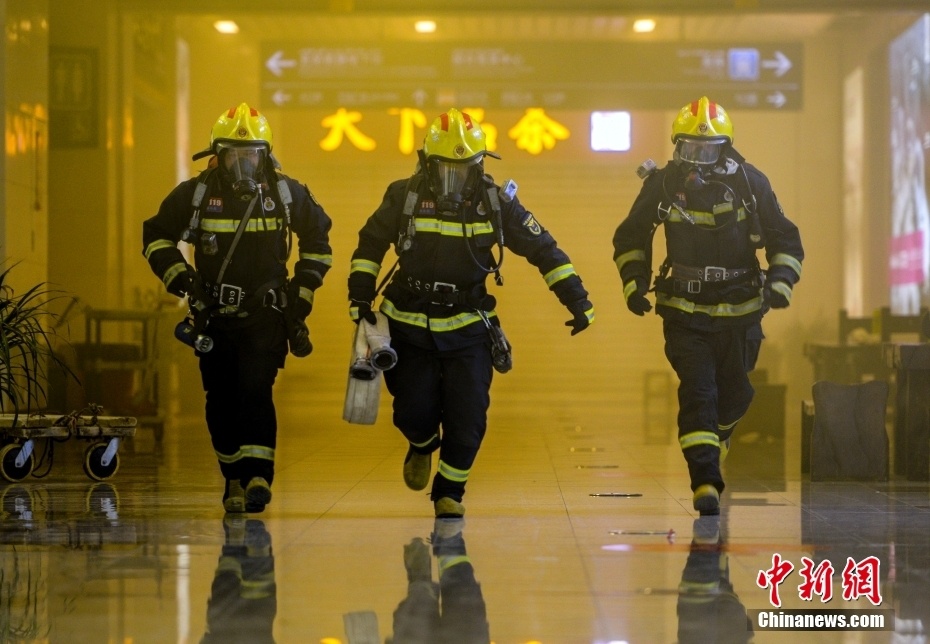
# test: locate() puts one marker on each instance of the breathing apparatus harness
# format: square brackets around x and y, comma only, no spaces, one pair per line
[491,196]
[697,181]
[224,298]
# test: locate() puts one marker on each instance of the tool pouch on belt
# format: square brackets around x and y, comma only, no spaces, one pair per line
[501,351]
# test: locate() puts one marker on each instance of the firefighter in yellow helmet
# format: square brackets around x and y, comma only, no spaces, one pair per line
[240,216]
[450,223]
[711,292]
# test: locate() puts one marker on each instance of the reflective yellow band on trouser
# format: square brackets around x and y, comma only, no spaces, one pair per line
[426,442]
[723,428]
[693,439]
[365,266]
[247,451]
[230,564]
[256,588]
[316,257]
[449,472]
[447,562]
[713,310]
[698,588]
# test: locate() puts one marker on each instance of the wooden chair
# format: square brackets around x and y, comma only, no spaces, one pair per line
[899,325]
[849,324]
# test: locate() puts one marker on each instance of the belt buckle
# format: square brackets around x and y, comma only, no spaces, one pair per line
[714,273]
[444,287]
[230,295]
[693,286]
[441,289]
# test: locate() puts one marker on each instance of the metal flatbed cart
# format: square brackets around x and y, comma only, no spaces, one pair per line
[19,434]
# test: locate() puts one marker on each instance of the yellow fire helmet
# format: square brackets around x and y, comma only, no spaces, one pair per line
[455,136]
[701,132]
[703,119]
[239,125]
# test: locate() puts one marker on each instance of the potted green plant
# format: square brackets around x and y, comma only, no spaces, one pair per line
[27,339]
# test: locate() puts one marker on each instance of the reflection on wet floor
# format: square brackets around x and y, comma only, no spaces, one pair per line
[563,546]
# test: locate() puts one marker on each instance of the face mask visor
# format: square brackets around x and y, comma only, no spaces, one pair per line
[453,182]
[700,152]
[243,165]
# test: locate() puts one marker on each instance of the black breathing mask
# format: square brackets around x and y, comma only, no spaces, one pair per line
[694,178]
[242,167]
[453,182]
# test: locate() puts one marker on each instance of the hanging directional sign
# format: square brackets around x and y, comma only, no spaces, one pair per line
[575,75]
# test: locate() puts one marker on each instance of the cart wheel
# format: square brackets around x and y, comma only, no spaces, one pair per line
[93,466]
[8,467]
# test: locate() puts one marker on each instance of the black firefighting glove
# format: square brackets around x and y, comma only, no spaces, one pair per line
[188,284]
[773,295]
[359,310]
[197,295]
[637,301]
[583,316]
[181,284]
[306,282]
[298,338]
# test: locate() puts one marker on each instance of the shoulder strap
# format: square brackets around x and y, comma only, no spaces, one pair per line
[239,230]
[409,230]
[190,233]
[284,194]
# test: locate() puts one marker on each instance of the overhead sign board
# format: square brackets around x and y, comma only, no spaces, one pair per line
[564,75]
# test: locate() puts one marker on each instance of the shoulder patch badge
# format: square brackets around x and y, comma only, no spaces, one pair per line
[215,204]
[530,223]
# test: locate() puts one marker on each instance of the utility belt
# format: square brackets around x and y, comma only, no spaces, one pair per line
[694,279]
[234,301]
[446,294]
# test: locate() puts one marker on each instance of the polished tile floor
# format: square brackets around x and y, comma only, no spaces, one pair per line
[576,533]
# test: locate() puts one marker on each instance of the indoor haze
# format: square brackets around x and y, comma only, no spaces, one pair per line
[581,527]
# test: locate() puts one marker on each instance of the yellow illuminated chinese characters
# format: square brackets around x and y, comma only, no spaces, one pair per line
[342,124]
[410,119]
[536,131]
[490,131]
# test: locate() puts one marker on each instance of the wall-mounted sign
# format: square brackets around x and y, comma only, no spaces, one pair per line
[577,75]
[72,97]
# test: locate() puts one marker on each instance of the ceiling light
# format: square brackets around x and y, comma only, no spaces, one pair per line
[644,26]
[226,26]
[425,26]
